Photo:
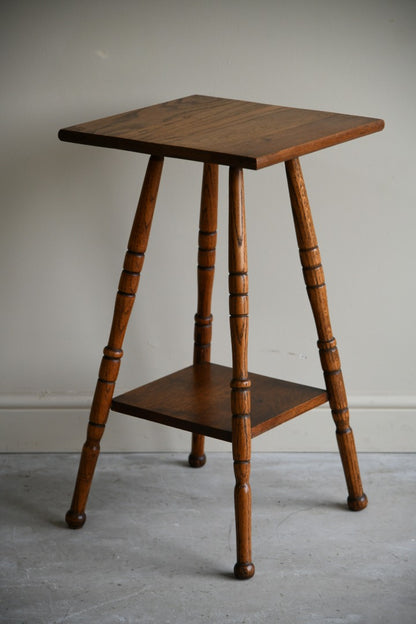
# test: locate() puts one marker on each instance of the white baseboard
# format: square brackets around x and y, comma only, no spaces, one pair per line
[57,423]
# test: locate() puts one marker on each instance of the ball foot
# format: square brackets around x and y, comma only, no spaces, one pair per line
[75,520]
[244,571]
[197,462]
[356,504]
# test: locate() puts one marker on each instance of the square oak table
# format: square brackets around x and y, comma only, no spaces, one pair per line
[240,135]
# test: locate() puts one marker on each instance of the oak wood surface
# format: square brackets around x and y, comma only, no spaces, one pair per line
[222,131]
[110,363]
[197,399]
[240,382]
[207,241]
[331,365]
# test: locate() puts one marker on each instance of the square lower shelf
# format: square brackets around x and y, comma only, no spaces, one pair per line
[197,399]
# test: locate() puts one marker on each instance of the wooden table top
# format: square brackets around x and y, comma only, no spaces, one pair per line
[222,131]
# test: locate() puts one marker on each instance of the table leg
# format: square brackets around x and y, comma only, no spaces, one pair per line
[240,383]
[206,266]
[315,284]
[110,363]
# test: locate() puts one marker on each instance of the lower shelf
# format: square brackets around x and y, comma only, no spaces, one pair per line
[197,399]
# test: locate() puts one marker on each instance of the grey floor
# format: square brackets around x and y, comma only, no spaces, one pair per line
[158,545]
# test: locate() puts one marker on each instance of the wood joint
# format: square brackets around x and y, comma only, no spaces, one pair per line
[113,354]
[327,345]
[344,431]
[244,383]
[204,233]
[203,321]
[312,267]
[126,294]
[136,254]
[315,286]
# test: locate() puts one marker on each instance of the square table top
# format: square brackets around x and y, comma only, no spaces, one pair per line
[223,131]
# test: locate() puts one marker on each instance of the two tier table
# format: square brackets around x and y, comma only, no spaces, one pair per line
[207,399]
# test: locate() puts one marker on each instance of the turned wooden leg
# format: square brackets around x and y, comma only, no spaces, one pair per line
[315,284]
[110,363]
[206,266]
[240,383]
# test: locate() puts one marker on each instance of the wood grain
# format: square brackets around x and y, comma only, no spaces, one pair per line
[222,131]
[330,360]
[207,241]
[240,382]
[238,134]
[197,399]
[113,352]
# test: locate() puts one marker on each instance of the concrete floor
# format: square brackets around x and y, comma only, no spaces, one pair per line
[158,545]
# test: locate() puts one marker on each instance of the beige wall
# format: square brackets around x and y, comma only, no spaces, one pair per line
[66,209]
